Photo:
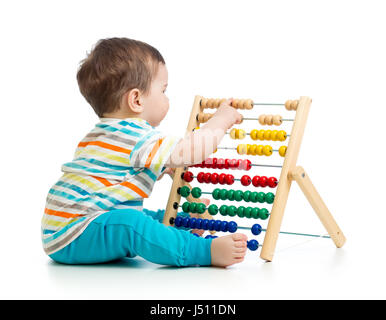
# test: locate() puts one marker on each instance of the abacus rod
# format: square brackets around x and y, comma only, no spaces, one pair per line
[267,104]
[291,233]
[232,148]
[248,118]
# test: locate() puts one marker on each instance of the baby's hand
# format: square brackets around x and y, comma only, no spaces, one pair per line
[228,113]
[169,171]
[200,232]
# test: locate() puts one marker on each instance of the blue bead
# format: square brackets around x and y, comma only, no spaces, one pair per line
[211,225]
[195,234]
[192,223]
[224,226]
[199,223]
[208,236]
[217,225]
[185,222]
[232,226]
[178,222]
[204,224]
[252,244]
[256,229]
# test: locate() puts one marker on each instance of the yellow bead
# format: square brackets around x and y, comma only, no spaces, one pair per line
[215,151]
[242,149]
[267,150]
[274,135]
[267,135]
[282,151]
[281,135]
[254,133]
[259,150]
[252,150]
[241,134]
[260,135]
[248,149]
[233,133]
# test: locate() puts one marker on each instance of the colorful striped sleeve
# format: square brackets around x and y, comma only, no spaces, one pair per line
[152,151]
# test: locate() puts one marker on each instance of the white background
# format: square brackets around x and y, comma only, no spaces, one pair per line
[332,51]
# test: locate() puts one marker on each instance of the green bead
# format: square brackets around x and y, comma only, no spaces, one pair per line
[196,192]
[186,207]
[263,214]
[200,207]
[269,197]
[192,207]
[223,210]
[261,197]
[246,195]
[231,195]
[216,194]
[247,212]
[223,194]
[213,209]
[255,213]
[253,197]
[231,211]
[240,211]
[184,191]
[238,195]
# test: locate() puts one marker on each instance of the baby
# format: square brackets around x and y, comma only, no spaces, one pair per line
[95,213]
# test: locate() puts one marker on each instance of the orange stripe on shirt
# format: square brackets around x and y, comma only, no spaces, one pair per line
[61,213]
[153,152]
[104,145]
[103,181]
[134,188]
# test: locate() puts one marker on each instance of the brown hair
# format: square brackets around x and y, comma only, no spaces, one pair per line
[112,68]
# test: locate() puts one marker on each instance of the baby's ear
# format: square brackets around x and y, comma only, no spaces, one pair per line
[132,101]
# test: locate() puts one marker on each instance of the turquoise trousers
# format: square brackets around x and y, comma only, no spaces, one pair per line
[127,233]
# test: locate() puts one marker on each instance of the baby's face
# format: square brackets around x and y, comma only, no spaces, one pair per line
[156,104]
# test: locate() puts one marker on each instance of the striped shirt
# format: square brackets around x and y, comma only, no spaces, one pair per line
[115,167]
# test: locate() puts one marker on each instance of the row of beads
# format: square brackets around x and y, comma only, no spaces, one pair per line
[259,150]
[247,212]
[270,119]
[273,135]
[214,178]
[219,163]
[212,225]
[232,195]
[236,103]
[205,224]
[238,195]
[291,104]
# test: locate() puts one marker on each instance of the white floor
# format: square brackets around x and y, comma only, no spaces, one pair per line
[305,269]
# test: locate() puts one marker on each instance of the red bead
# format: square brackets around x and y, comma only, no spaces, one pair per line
[214,178]
[188,176]
[208,163]
[239,164]
[207,177]
[245,180]
[200,177]
[263,181]
[255,181]
[247,165]
[227,163]
[220,163]
[233,164]
[229,179]
[221,178]
[272,182]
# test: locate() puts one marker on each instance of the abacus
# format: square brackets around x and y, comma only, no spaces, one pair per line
[289,172]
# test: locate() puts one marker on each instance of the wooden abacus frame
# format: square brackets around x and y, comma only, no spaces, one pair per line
[290,171]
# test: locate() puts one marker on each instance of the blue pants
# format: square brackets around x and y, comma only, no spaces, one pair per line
[127,233]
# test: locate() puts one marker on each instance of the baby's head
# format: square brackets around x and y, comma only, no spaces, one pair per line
[125,78]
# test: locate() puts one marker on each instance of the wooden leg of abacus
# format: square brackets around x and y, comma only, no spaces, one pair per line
[313,197]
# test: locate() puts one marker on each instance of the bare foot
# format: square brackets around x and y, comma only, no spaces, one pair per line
[228,250]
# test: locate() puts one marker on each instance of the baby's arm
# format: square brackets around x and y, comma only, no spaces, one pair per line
[198,145]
